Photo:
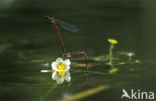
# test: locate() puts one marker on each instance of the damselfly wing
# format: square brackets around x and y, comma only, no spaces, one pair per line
[67,26]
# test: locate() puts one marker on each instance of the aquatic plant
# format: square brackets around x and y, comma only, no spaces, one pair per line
[60,70]
[112,43]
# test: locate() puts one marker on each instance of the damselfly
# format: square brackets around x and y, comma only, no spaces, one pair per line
[69,27]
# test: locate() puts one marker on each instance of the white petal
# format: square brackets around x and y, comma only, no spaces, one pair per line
[45,71]
[67,77]
[60,80]
[54,66]
[67,68]
[67,62]
[54,76]
[59,60]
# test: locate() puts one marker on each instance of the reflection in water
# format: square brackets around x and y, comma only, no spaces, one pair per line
[113,70]
[43,97]
[67,78]
[66,95]
[79,84]
[60,77]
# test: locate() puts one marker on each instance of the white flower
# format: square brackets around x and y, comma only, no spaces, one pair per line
[60,70]
[61,65]
[60,77]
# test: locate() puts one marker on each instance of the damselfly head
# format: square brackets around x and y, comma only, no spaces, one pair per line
[50,19]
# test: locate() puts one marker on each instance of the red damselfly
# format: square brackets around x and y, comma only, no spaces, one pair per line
[69,27]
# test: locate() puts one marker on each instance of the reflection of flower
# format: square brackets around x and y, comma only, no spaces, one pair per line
[60,70]
[112,41]
[61,76]
[113,70]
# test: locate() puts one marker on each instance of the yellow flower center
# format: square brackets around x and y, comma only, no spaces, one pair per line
[61,74]
[113,41]
[61,67]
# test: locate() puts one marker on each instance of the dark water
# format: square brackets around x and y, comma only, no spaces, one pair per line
[27,42]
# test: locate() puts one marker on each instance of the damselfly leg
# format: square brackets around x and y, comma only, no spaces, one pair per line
[85,55]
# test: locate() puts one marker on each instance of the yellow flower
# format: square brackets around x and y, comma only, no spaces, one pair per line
[112,41]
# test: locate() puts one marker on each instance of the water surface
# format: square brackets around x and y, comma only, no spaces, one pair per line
[27,42]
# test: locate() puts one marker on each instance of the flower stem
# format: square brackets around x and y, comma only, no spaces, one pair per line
[111,53]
